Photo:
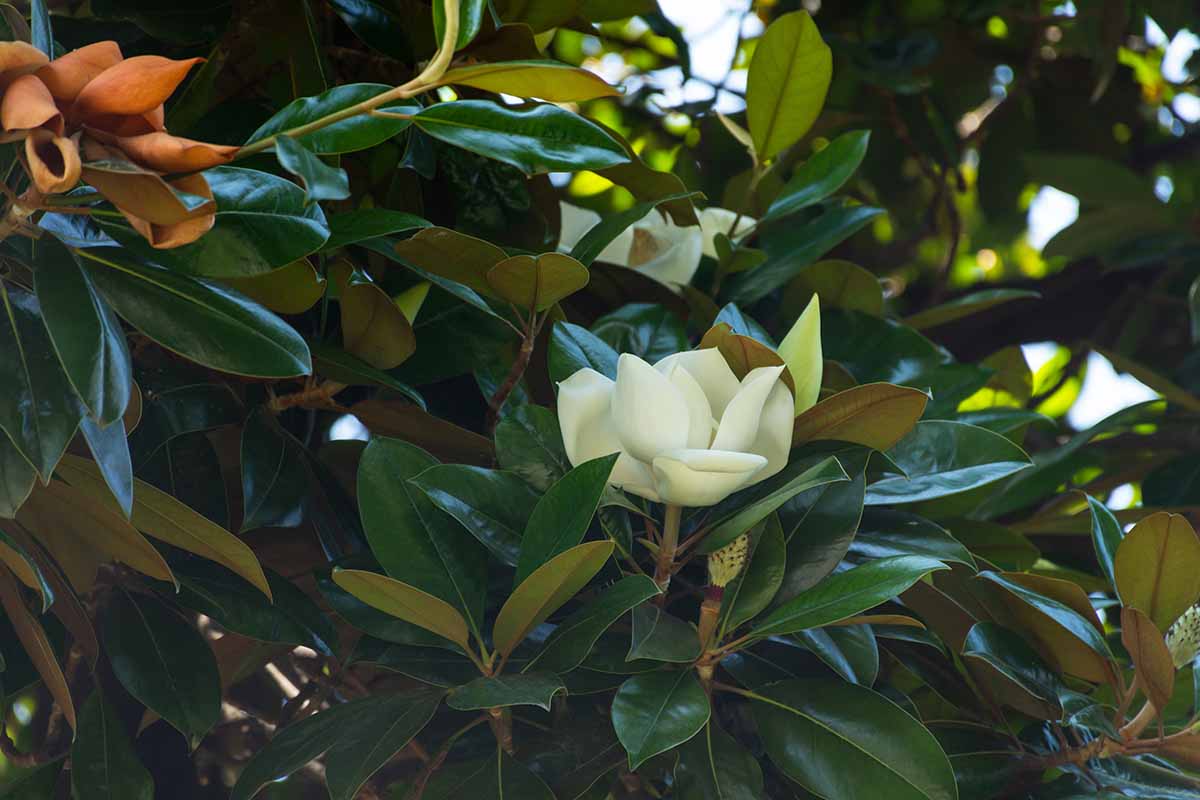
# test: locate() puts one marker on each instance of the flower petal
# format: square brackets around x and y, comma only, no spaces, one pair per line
[703,477]
[578,221]
[53,161]
[162,152]
[177,234]
[18,58]
[801,351]
[27,104]
[66,75]
[135,86]
[739,423]
[715,220]
[700,418]
[711,371]
[666,252]
[649,412]
[774,439]
[585,416]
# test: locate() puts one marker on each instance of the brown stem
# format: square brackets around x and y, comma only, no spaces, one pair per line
[497,401]
[710,613]
[1133,729]
[664,566]
[319,396]
[501,721]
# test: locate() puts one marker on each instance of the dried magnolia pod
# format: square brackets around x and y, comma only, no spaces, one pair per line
[725,564]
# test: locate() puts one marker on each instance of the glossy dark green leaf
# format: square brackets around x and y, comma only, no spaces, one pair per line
[659,636]
[187,468]
[648,330]
[798,249]
[966,305]
[470,13]
[1065,617]
[110,449]
[345,136]
[338,365]
[1012,656]
[848,650]
[178,405]
[498,776]
[747,508]
[941,458]
[529,443]
[415,541]
[362,224]
[713,766]
[534,139]
[562,515]
[528,689]
[885,533]
[657,711]
[357,738]
[17,477]
[601,235]
[847,593]
[572,348]
[38,408]
[875,349]
[27,569]
[377,624]
[86,333]
[845,741]
[321,181]
[752,590]
[493,505]
[377,26]
[1107,534]
[103,763]
[163,662]
[821,175]
[274,483]
[743,325]
[572,640]
[432,665]
[200,320]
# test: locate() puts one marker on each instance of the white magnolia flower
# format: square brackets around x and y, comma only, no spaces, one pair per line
[655,245]
[688,431]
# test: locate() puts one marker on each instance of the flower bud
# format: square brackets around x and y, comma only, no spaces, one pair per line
[1183,639]
[725,564]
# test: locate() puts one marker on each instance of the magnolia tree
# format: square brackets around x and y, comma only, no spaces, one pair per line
[491,400]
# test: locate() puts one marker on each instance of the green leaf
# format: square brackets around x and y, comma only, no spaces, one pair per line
[657,711]
[545,591]
[431,665]
[897,533]
[42,37]
[470,13]
[648,330]
[789,76]
[362,224]
[610,226]
[291,289]
[547,80]
[110,449]
[274,483]
[841,740]
[493,505]
[821,175]
[537,282]
[572,348]
[38,408]
[163,662]
[104,765]
[713,766]
[86,333]
[801,245]
[498,776]
[414,540]
[574,637]
[378,27]
[1107,534]
[17,477]
[200,320]
[1152,567]
[747,508]
[338,365]
[345,136]
[376,623]
[357,739]
[850,651]
[658,636]
[839,284]
[562,515]
[1062,615]
[942,458]
[27,570]
[529,443]
[752,590]
[405,602]
[845,594]
[1008,653]
[966,305]
[321,181]
[529,689]
[535,139]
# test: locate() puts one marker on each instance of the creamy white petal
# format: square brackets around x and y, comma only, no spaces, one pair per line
[666,252]
[739,423]
[650,413]
[715,220]
[774,440]
[703,477]
[700,418]
[633,476]
[578,221]
[585,416]
[711,371]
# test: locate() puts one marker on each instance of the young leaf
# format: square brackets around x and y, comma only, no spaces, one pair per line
[547,80]
[1107,535]
[1151,658]
[1153,567]
[787,82]
[405,602]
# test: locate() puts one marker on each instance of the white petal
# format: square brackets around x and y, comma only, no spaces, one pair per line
[774,440]
[633,476]
[666,252]
[585,416]
[649,412]
[578,221]
[801,351]
[711,371]
[700,418]
[715,220]
[703,477]
[739,423]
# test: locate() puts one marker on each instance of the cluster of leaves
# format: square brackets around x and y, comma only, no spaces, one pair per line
[206,593]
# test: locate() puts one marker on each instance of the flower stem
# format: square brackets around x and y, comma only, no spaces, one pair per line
[665,565]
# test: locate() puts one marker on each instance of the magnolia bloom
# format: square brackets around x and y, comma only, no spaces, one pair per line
[688,431]
[96,115]
[1183,639]
[655,245]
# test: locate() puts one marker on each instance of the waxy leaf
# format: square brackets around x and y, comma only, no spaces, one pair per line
[538,282]
[547,80]
[789,76]
[321,181]
[658,636]
[362,224]
[104,765]
[1012,657]
[875,415]
[713,766]
[1107,535]
[657,711]
[405,602]
[529,689]
[573,639]
[274,483]
[821,175]
[573,347]
[1151,658]
[17,477]
[500,776]
[1154,567]
[345,136]
[37,647]
[291,289]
